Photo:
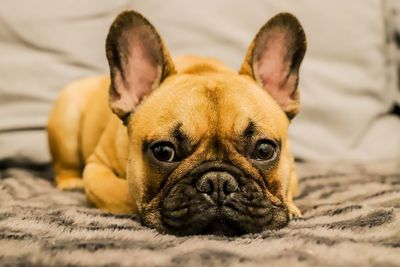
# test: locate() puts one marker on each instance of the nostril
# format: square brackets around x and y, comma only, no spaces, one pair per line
[205,185]
[230,186]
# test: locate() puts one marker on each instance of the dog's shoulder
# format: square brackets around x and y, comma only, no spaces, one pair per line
[191,64]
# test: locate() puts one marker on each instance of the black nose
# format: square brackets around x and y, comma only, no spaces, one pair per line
[217,184]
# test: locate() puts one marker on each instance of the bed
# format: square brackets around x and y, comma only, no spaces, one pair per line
[351,217]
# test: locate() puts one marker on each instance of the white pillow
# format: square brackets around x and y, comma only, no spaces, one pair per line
[44,45]
[344,87]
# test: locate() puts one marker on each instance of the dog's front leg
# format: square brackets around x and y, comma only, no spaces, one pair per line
[294,211]
[106,190]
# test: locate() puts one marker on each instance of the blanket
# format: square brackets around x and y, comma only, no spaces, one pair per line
[351,217]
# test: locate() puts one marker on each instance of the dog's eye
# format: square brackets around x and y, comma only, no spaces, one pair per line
[164,151]
[264,150]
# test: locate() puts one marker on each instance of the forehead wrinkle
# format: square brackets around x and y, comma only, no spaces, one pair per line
[213,94]
[193,120]
[180,135]
[250,130]
[162,132]
[264,115]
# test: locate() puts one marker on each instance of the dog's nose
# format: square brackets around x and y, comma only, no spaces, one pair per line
[217,184]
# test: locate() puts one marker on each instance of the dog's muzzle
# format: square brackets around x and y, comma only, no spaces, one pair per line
[219,198]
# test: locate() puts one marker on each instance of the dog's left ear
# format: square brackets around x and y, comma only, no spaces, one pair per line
[138,62]
[274,57]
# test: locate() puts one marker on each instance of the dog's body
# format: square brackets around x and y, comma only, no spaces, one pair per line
[206,140]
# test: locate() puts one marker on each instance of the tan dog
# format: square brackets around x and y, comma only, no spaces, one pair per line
[195,147]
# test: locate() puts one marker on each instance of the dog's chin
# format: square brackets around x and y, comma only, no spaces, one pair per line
[183,210]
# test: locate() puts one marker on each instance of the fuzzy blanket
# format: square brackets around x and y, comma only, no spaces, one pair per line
[351,218]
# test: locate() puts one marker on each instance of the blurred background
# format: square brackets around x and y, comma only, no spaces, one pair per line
[349,79]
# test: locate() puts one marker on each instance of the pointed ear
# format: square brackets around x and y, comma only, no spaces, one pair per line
[138,62]
[274,57]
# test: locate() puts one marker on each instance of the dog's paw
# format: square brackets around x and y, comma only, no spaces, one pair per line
[294,211]
[70,183]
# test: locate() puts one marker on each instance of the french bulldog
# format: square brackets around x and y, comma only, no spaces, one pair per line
[190,145]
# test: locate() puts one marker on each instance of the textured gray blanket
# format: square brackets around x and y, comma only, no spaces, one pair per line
[351,218]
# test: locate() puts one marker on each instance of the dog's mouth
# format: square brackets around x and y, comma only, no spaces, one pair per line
[216,199]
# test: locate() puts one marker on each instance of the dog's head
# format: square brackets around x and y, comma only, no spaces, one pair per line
[208,146]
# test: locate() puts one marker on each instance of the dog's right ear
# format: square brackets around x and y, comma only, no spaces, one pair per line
[138,62]
[274,57]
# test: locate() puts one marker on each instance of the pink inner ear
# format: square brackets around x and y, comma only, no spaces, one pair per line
[272,67]
[140,75]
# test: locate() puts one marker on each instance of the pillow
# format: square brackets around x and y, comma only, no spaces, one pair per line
[44,46]
[345,90]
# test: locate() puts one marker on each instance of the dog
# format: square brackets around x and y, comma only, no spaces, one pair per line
[190,145]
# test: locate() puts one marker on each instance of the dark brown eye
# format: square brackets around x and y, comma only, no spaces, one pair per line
[163,151]
[264,150]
